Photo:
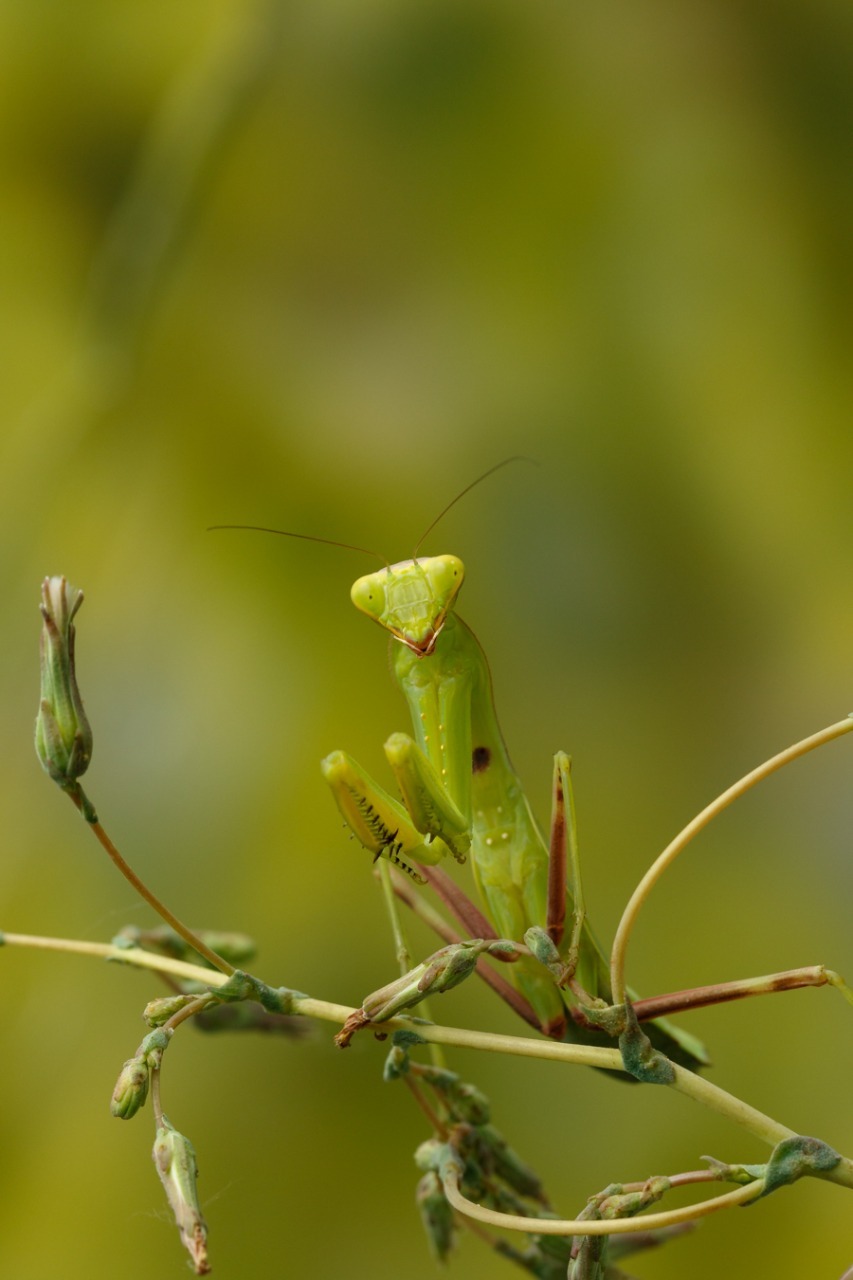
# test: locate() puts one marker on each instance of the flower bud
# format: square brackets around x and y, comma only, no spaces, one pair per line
[154,1045]
[450,966]
[175,1161]
[63,735]
[542,945]
[131,1089]
[443,970]
[156,1012]
[509,1166]
[436,1215]
[468,1103]
[429,1153]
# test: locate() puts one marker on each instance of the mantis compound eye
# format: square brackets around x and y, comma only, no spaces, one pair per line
[368,595]
[446,574]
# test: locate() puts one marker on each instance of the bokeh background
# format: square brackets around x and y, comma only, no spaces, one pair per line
[318,265]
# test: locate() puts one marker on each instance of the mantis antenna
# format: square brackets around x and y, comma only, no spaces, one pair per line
[307,537]
[349,546]
[518,457]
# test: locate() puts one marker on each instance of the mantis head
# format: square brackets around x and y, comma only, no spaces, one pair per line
[411,599]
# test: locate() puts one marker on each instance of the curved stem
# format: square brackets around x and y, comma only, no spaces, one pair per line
[589,1226]
[671,852]
[188,1011]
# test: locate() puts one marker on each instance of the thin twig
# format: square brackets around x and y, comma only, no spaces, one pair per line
[676,846]
[153,901]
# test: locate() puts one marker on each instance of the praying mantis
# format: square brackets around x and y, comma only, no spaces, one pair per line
[462,797]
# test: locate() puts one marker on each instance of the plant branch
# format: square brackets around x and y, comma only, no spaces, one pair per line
[153,901]
[676,846]
[761,1126]
[591,1226]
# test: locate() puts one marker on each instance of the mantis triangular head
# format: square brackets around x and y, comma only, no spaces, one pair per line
[411,599]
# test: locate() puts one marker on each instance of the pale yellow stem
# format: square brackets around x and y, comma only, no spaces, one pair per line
[671,852]
[591,1227]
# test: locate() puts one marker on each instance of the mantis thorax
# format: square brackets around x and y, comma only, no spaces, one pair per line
[411,599]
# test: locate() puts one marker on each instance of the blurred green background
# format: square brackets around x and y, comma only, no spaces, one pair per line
[318,265]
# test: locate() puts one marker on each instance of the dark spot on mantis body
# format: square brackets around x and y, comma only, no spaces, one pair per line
[481,758]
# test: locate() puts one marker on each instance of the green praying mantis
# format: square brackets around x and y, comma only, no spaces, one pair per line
[461,797]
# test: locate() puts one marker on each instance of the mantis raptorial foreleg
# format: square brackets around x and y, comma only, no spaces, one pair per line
[385,827]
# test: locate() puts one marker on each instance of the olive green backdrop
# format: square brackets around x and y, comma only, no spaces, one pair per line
[318,265]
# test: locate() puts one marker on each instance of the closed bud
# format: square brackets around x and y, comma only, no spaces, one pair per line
[429,1153]
[395,996]
[443,970]
[175,1161]
[468,1103]
[156,1012]
[510,1166]
[154,1045]
[131,1089]
[436,1215]
[451,965]
[63,735]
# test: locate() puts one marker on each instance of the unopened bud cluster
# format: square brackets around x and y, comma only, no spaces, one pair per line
[473,1151]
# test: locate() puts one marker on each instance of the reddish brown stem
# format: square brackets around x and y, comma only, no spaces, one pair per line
[448,934]
[153,901]
[722,992]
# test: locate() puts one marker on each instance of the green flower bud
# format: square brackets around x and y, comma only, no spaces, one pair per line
[154,1045]
[468,1103]
[436,1215]
[542,945]
[450,966]
[63,735]
[395,996]
[175,1161]
[443,970]
[131,1089]
[156,1012]
[429,1153]
[509,1166]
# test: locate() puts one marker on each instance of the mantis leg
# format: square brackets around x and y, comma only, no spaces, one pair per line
[378,821]
[426,799]
[564,841]
[584,956]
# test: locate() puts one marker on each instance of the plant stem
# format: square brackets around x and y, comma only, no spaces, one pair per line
[403,956]
[156,1104]
[153,901]
[134,956]
[589,1226]
[671,852]
[401,946]
[764,1127]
